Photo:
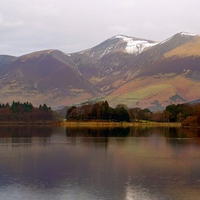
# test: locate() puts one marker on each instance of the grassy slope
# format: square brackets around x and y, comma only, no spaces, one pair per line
[150,89]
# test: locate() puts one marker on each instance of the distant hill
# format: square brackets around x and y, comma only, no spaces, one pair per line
[123,70]
[195,101]
[44,77]
[4,59]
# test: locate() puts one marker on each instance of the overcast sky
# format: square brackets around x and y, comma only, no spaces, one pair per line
[75,25]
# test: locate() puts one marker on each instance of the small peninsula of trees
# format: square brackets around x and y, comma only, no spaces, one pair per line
[25,112]
[186,114]
[98,111]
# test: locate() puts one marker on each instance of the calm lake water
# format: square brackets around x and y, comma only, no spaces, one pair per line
[47,163]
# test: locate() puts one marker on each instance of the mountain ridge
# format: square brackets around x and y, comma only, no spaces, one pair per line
[44,76]
[121,69]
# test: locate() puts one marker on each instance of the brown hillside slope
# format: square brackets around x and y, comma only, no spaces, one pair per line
[155,91]
[44,77]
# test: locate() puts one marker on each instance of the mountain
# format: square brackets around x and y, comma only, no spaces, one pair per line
[122,69]
[150,76]
[109,61]
[169,73]
[44,77]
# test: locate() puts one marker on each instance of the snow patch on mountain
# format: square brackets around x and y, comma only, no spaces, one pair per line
[135,46]
[188,34]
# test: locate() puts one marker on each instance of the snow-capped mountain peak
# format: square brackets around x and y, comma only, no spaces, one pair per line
[119,43]
[134,45]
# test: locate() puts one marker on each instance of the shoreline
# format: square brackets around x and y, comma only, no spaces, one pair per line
[116,124]
[21,123]
[94,124]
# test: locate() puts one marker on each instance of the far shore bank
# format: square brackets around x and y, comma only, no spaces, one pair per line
[115,124]
[14,123]
[94,124]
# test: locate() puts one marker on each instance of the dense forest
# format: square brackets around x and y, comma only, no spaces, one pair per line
[25,112]
[187,114]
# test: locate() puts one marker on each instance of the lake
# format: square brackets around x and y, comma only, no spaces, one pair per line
[44,163]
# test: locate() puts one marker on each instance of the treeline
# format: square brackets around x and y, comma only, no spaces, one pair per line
[186,114]
[98,111]
[25,112]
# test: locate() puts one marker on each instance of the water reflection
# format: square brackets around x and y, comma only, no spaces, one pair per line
[74,163]
[25,131]
[16,135]
[98,132]
[143,131]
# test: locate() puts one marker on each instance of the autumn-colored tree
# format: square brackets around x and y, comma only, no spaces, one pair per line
[97,111]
